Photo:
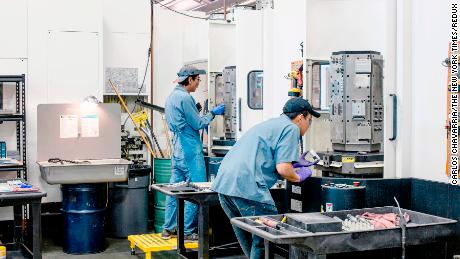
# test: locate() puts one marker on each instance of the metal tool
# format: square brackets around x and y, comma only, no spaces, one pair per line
[142,119]
[271,223]
[402,224]
[161,110]
[150,106]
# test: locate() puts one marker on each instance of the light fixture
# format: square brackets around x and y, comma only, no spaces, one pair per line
[91,99]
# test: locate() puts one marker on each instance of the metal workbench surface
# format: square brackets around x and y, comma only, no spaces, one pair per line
[199,192]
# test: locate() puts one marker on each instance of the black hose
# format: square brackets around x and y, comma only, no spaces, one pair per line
[155,139]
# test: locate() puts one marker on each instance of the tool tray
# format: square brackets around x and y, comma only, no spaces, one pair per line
[323,234]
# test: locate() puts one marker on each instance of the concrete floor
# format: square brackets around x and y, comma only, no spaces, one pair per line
[117,248]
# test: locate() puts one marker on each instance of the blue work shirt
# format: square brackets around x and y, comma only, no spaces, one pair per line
[249,169]
[182,115]
[185,122]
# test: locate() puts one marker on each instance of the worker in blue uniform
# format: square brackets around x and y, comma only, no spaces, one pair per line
[184,121]
[265,154]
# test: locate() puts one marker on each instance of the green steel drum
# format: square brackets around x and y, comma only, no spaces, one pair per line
[161,174]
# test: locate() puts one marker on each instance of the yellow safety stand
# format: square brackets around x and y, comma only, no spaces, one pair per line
[149,243]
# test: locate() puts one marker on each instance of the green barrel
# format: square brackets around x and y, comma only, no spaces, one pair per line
[161,174]
[159,219]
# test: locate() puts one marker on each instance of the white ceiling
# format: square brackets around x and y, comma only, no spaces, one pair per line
[207,6]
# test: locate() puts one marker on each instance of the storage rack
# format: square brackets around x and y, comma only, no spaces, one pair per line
[19,116]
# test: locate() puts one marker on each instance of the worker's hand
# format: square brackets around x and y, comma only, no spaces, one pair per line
[302,159]
[303,173]
[298,165]
[218,110]
[304,162]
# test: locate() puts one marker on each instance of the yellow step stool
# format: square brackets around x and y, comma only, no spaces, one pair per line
[149,243]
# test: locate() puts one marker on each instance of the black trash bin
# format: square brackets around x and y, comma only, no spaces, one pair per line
[128,206]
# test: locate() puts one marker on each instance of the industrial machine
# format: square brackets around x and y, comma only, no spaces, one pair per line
[224,91]
[356,115]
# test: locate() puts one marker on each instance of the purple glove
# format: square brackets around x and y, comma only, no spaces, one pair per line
[303,173]
[303,162]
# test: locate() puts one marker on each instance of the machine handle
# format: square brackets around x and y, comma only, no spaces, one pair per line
[395,116]
[239,115]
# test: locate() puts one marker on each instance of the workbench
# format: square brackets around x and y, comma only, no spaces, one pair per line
[315,235]
[17,200]
[198,193]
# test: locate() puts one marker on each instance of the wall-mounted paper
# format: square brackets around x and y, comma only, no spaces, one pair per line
[68,126]
[89,126]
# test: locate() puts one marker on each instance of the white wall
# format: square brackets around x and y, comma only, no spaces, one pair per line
[284,30]
[14,43]
[222,51]
[430,24]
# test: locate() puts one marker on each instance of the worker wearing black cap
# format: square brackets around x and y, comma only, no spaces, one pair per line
[266,153]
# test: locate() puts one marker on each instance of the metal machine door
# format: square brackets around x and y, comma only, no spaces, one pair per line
[249,82]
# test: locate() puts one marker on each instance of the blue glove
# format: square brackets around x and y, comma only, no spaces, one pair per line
[218,110]
[303,173]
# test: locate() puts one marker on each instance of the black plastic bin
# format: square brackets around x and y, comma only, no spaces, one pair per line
[212,166]
[83,209]
[128,207]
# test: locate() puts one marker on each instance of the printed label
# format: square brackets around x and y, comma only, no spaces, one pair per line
[119,170]
[348,159]
[329,207]
[296,189]
[296,205]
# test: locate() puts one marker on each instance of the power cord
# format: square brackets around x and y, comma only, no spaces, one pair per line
[142,85]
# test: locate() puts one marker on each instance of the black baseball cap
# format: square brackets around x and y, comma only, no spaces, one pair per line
[298,105]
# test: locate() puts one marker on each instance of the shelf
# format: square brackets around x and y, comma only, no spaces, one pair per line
[12,167]
[12,117]
[4,79]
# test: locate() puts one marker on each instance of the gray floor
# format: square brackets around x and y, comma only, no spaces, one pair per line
[117,248]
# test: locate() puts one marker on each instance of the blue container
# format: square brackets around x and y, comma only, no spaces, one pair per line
[2,149]
[83,209]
